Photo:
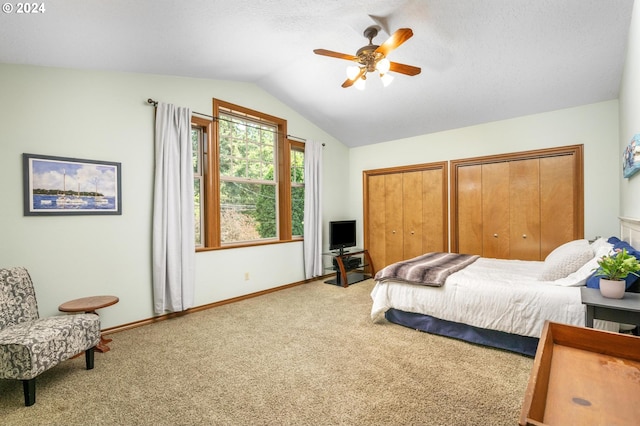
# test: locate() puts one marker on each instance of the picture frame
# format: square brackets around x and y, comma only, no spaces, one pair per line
[631,157]
[70,186]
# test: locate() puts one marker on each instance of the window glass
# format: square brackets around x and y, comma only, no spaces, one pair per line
[197,138]
[248,201]
[297,191]
[248,178]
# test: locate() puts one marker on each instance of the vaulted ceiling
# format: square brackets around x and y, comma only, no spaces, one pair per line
[481,60]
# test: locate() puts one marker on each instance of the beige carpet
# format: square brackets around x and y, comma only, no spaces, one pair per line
[307,355]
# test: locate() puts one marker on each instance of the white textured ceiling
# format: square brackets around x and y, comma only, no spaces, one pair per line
[481,60]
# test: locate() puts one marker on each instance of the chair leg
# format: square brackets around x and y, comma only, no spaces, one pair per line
[29,387]
[88,356]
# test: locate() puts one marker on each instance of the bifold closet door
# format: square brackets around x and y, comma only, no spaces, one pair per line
[518,205]
[406,213]
[483,210]
[385,219]
[499,210]
[377,207]
[412,205]
[469,203]
[495,210]
[423,212]
[524,209]
[557,202]
[394,218]
[434,212]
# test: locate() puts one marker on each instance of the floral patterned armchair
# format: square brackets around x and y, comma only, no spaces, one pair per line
[30,345]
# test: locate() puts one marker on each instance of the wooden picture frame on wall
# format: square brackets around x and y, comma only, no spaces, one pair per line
[70,186]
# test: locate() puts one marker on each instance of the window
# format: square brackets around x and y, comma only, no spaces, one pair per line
[297,189]
[248,179]
[197,137]
[200,133]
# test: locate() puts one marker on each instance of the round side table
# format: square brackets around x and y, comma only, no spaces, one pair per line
[89,305]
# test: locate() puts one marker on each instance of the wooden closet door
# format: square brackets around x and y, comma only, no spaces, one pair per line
[495,210]
[376,216]
[469,204]
[405,212]
[433,212]
[393,194]
[535,213]
[557,202]
[412,205]
[524,209]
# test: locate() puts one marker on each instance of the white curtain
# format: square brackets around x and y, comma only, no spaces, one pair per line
[312,209]
[173,211]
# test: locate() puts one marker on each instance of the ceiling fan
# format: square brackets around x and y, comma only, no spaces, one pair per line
[372,58]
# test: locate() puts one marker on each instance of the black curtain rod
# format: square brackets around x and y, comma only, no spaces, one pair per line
[155,104]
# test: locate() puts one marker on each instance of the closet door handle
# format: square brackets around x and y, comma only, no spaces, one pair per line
[495,235]
[412,232]
[524,235]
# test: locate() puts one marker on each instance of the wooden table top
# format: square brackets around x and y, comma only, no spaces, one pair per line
[88,304]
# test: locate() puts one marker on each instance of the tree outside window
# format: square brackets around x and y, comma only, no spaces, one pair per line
[248,179]
[297,189]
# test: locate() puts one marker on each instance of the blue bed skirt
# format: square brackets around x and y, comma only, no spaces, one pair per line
[524,345]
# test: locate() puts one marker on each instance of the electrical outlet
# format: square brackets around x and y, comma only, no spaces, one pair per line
[246,276]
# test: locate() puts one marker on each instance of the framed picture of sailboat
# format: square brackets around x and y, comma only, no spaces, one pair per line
[70,186]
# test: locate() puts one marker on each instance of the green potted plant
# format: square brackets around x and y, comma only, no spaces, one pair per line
[613,269]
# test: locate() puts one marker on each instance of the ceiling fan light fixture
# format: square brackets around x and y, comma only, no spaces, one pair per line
[383,66]
[352,72]
[373,58]
[386,79]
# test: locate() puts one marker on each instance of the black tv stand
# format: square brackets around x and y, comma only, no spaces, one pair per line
[350,266]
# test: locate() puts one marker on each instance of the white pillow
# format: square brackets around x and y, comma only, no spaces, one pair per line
[599,243]
[579,277]
[567,258]
[602,250]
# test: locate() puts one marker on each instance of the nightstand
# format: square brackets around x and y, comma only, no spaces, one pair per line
[625,310]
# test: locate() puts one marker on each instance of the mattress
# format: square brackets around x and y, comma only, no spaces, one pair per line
[493,294]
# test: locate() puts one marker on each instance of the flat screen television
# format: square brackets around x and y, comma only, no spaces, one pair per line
[342,234]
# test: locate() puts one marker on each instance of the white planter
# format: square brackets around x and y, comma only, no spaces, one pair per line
[612,289]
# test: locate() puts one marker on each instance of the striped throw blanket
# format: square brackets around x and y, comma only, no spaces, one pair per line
[430,269]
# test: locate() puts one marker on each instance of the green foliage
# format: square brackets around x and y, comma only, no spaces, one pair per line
[197,211]
[248,186]
[297,210]
[297,192]
[618,266]
[265,212]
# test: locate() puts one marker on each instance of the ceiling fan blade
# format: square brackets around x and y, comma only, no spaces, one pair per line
[333,54]
[396,39]
[404,69]
[348,82]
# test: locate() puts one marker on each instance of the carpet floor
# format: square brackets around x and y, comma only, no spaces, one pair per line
[306,355]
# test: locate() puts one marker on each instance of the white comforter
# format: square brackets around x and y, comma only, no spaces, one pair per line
[495,294]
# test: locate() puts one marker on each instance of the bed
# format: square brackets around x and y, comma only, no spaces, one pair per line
[495,302]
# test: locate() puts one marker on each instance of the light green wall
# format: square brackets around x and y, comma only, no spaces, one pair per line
[104,116]
[595,126]
[630,116]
